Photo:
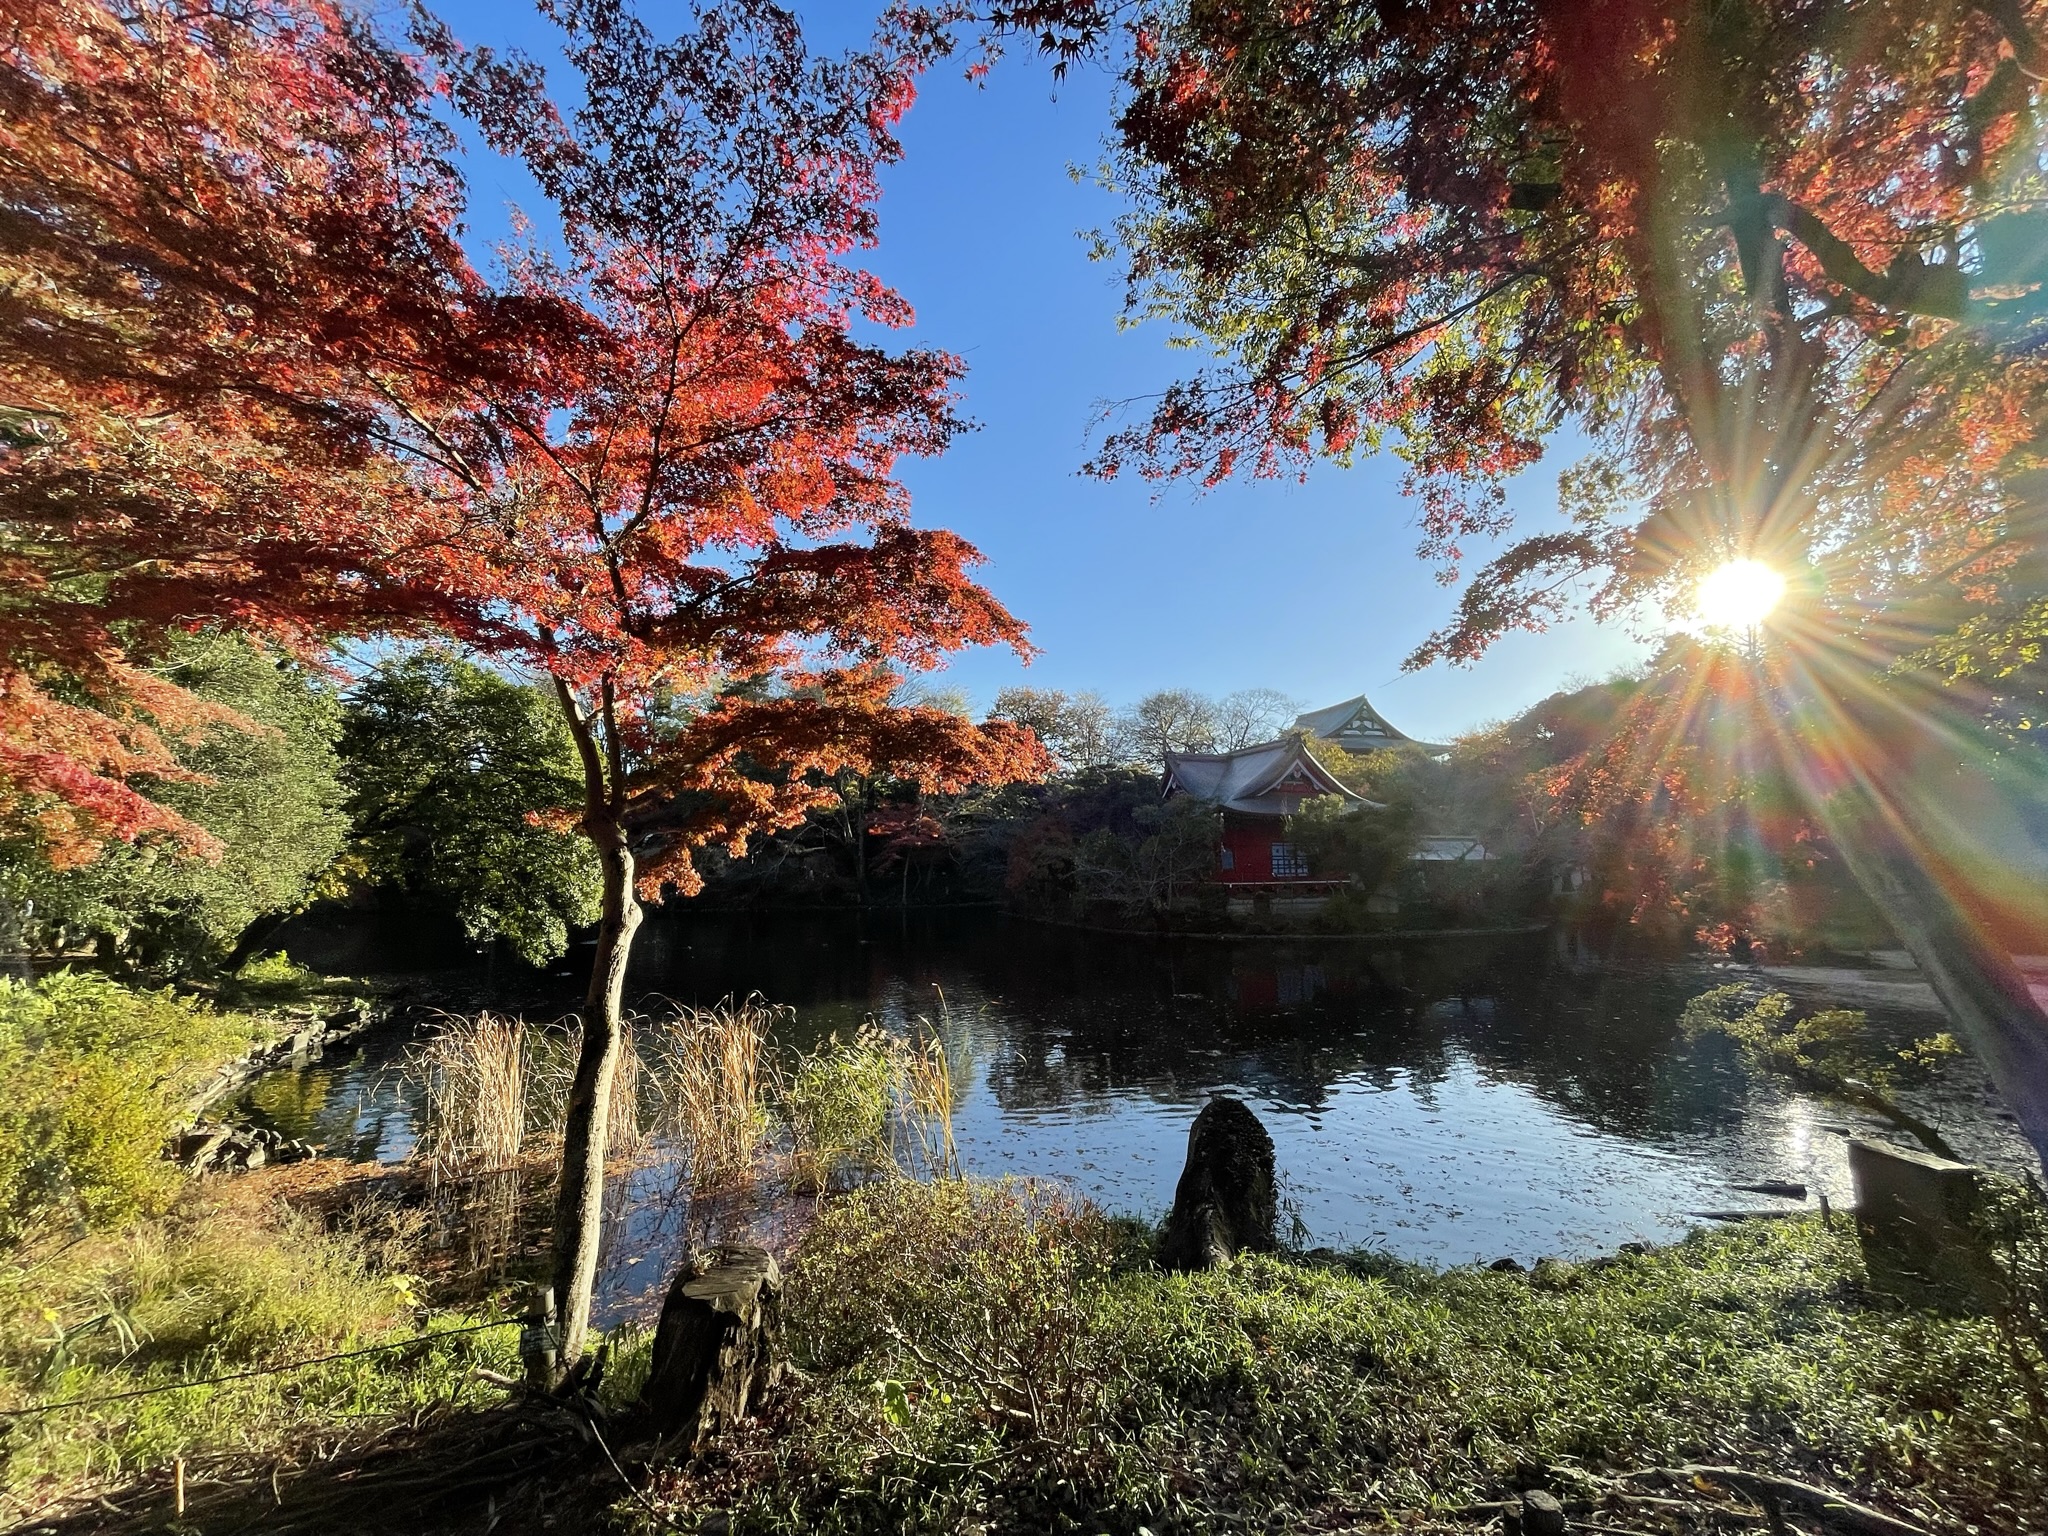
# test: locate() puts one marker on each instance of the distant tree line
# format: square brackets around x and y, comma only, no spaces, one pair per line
[1082,730]
[450,786]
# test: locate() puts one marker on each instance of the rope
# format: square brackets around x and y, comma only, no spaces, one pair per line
[271,1370]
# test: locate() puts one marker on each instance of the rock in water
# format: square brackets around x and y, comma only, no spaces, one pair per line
[1225,1203]
[717,1348]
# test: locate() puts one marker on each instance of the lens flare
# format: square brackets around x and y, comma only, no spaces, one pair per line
[1739,595]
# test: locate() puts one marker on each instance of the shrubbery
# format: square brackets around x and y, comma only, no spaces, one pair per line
[95,1074]
[996,1357]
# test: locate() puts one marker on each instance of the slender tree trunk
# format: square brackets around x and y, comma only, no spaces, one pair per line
[586,1120]
[1986,998]
[860,849]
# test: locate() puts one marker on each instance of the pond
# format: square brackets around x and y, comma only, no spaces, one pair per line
[1452,1101]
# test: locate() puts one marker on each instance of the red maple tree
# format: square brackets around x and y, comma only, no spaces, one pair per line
[691,480]
[227,231]
[255,381]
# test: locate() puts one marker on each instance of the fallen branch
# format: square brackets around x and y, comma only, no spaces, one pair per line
[1831,1509]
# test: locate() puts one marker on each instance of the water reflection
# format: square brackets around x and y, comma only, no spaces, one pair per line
[1448,1102]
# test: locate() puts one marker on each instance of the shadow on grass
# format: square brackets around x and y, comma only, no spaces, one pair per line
[523,1467]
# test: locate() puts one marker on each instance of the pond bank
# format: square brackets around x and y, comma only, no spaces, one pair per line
[974,1357]
[1444,1101]
[999,1360]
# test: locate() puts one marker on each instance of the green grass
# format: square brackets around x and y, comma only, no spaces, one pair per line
[996,1357]
[210,1289]
[277,981]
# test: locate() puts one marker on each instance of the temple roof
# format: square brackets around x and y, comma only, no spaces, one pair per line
[1356,726]
[1270,779]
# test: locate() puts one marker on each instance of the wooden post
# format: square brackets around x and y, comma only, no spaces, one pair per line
[538,1342]
[717,1348]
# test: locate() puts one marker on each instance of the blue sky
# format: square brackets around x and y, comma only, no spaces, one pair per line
[1311,588]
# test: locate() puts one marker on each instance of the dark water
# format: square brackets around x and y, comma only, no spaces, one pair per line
[1452,1101]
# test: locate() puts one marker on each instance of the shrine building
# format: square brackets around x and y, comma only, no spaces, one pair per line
[1258,787]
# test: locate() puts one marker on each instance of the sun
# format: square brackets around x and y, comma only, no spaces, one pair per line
[1739,595]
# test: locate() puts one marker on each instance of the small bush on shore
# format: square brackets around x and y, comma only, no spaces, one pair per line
[994,1357]
[96,1074]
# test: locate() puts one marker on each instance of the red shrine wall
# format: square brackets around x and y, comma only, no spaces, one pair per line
[1249,840]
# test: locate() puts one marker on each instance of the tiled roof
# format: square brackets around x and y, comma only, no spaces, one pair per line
[1270,779]
[1356,726]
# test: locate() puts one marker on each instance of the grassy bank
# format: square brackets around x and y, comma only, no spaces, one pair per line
[235,1275]
[971,1358]
[997,1360]
[120,1275]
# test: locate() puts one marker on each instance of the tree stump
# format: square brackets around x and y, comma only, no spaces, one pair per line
[1914,1217]
[717,1348]
[1225,1203]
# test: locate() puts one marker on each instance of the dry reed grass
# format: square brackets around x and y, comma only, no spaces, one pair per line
[711,1084]
[490,1086]
[552,1068]
[475,1078]
[927,1102]
[712,1077]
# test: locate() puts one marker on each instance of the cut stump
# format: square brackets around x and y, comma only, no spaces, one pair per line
[1915,1216]
[1225,1203]
[717,1349]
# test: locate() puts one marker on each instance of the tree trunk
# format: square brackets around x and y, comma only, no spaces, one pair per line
[1986,998]
[586,1122]
[717,1349]
[860,850]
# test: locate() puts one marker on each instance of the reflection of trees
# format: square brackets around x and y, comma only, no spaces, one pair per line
[1606,1050]
[345,1104]
[1066,1018]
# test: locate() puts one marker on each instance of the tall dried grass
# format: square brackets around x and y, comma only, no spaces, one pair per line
[552,1068]
[474,1078]
[489,1087]
[927,1104]
[713,1075]
[711,1084]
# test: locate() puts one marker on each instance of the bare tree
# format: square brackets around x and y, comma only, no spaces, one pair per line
[1075,727]
[1171,720]
[925,693]
[1253,715]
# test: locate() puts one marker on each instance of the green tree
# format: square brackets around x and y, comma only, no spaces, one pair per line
[1371,844]
[1171,855]
[457,782]
[262,780]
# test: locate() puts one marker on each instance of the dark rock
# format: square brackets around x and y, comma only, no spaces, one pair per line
[223,1148]
[1506,1266]
[1225,1203]
[197,1149]
[1634,1250]
[1542,1515]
